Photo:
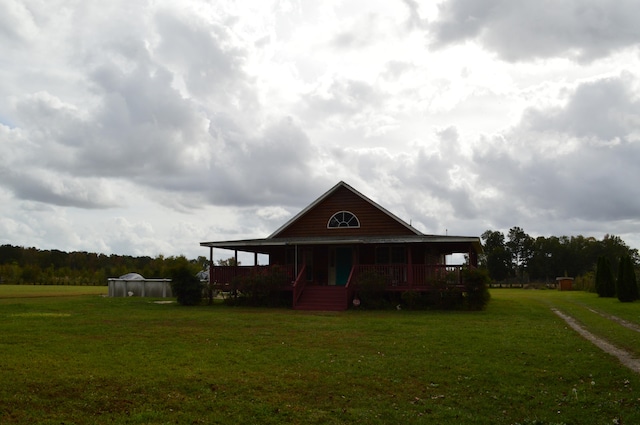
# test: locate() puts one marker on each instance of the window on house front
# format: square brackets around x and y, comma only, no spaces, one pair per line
[343,219]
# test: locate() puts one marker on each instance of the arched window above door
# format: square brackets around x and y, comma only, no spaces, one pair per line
[343,219]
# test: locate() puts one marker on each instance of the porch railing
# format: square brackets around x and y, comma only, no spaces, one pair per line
[222,276]
[298,285]
[417,276]
[397,276]
[350,286]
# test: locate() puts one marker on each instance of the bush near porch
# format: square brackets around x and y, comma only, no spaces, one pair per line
[264,288]
[473,294]
[260,288]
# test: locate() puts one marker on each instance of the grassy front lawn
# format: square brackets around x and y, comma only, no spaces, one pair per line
[594,313]
[90,359]
[25,291]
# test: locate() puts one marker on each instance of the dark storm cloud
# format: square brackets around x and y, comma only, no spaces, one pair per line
[583,30]
[183,107]
[578,161]
[575,164]
[414,20]
[206,56]
[441,173]
[60,190]
[141,128]
[430,185]
[275,167]
[604,110]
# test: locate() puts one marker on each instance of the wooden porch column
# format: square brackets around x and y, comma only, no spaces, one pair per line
[210,266]
[473,258]
[235,266]
[410,266]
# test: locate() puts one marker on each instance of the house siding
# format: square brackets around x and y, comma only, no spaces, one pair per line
[373,222]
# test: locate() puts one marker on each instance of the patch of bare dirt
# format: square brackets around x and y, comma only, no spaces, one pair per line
[624,356]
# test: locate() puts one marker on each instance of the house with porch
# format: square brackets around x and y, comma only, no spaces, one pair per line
[337,238]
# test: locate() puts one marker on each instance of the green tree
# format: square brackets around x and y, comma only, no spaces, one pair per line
[626,288]
[202,261]
[605,283]
[231,261]
[31,274]
[186,287]
[547,258]
[520,246]
[614,248]
[496,257]
[630,275]
[609,281]
[477,288]
[600,288]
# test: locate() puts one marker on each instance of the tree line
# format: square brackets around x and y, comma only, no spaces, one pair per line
[518,257]
[514,257]
[19,265]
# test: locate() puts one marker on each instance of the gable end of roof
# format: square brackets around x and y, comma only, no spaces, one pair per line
[330,192]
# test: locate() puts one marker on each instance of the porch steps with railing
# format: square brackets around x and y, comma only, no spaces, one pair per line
[322,298]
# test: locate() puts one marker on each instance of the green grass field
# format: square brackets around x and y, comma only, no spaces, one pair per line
[28,291]
[84,359]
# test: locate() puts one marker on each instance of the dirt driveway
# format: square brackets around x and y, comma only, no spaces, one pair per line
[624,356]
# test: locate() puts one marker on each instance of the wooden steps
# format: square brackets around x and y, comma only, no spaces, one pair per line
[322,298]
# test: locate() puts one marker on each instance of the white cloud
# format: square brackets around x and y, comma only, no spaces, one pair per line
[145,127]
[570,162]
[527,30]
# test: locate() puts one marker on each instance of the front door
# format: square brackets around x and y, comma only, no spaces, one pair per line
[344,261]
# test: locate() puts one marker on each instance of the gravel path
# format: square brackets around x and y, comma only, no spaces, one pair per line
[625,357]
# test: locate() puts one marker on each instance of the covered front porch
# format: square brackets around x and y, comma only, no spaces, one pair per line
[312,270]
[397,278]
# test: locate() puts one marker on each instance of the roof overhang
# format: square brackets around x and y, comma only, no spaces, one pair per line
[456,243]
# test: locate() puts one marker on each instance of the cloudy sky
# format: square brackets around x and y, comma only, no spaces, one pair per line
[145,127]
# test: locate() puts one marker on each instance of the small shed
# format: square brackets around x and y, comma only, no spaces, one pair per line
[565,283]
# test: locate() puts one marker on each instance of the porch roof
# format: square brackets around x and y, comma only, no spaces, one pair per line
[453,243]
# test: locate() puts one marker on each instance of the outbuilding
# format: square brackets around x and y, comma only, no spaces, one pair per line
[564,283]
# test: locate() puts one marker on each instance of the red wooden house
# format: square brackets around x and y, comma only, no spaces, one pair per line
[325,247]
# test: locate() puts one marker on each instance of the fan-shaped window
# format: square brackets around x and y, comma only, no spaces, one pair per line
[343,219]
